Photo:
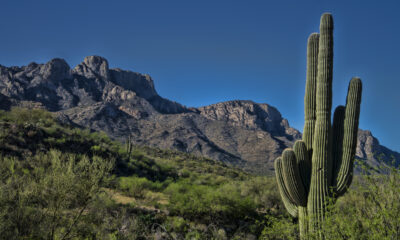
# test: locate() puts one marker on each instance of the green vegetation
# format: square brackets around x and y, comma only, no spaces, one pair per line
[59,182]
[47,196]
[320,167]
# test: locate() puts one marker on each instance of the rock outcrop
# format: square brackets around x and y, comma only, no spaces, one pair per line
[369,149]
[122,103]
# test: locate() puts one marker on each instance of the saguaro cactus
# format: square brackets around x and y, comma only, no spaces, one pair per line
[320,166]
[129,146]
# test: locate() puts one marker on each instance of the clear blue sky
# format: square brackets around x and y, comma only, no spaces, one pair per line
[203,52]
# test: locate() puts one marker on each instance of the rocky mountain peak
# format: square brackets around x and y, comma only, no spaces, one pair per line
[56,69]
[142,84]
[369,148]
[93,67]
[367,144]
[251,115]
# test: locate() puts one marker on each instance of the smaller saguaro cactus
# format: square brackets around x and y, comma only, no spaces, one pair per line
[129,145]
[320,166]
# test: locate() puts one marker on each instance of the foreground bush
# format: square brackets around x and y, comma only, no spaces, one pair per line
[47,196]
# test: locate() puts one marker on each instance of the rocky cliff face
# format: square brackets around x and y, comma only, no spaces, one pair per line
[122,103]
[57,87]
[368,148]
[250,115]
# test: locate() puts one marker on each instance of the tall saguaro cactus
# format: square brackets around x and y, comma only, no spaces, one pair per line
[320,166]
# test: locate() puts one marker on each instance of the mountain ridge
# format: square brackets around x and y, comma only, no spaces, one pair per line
[125,103]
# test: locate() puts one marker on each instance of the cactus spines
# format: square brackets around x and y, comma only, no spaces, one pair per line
[321,165]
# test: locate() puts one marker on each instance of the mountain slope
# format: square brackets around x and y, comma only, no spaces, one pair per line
[56,175]
[123,103]
[369,149]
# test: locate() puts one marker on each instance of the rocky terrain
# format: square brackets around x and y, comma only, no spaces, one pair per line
[368,148]
[122,103]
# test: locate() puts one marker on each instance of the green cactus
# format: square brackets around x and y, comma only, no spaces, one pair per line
[129,146]
[320,166]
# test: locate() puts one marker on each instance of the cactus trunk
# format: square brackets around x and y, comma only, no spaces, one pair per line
[321,165]
[321,157]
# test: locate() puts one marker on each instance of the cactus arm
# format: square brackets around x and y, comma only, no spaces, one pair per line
[337,142]
[343,187]
[287,202]
[303,163]
[304,157]
[350,130]
[292,178]
[310,95]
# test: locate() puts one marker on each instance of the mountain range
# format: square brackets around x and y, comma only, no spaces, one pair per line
[124,103]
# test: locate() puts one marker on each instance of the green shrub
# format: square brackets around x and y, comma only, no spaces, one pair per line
[371,209]
[138,186]
[216,204]
[263,191]
[177,224]
[46,196]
